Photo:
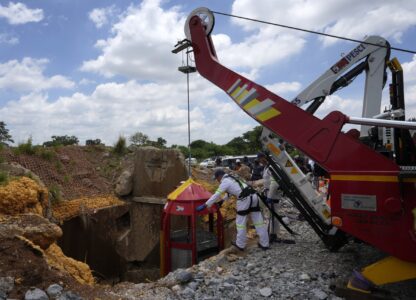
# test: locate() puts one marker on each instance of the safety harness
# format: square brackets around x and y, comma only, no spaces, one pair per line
[246,191]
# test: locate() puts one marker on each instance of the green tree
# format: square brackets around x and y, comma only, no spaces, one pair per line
[62,140]
[252,138]
[93,142]
[160,142]
[5,137]
[139,139]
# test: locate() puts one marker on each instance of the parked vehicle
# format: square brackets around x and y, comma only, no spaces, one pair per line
[194,162]
[207,163]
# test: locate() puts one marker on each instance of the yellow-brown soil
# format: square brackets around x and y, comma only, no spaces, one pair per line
[22,195]
[65,210]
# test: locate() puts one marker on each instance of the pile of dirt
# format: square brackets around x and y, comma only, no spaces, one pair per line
[71,171]
[65,210]
[27,266]
[22,195]
[29,252]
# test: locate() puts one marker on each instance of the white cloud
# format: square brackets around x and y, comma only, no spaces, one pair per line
[284,88]
[257,50]
[409,74]
[352,18]
[18,13]
[27,76]
[124,108]
[9,39]
[85,81]
[140,47]
[101,16]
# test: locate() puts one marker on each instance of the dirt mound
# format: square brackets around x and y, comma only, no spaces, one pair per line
[71,171]
[22,195]
[65,210]
[31,269]
[25,195]
[57,259]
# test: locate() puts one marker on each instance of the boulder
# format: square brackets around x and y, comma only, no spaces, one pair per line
[31,226]
[157,172]
[124,184]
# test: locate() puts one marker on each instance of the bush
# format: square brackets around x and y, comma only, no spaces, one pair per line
[93,142]
[4,178]
[25,148]
[46,154]
[120,147]
[63,140]
[55,193]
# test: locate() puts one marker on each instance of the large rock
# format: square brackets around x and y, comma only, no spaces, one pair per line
[15,169]
[157,172]
[33,227]
[124,184]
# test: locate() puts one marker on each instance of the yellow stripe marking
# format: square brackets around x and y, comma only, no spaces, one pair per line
[373,178]
[268,114]
[235,92]
[273,148]
[243,94]
[252,103]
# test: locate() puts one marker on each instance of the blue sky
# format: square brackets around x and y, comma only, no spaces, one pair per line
[100,69]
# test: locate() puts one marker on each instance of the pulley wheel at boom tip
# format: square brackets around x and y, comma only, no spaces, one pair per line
[207,17]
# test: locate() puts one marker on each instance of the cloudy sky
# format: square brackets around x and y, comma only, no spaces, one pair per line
[100,68]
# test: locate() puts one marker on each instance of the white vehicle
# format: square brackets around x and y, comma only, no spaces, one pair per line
[207,163]
[194,162]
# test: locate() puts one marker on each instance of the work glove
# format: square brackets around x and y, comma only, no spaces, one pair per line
[201,207]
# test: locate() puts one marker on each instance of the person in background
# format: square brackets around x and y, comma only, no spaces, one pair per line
[257,171]
[247,205]
[272,192]
[243,171]
[218,161]
[247,163]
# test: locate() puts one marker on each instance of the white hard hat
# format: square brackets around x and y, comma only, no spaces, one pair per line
[237,161]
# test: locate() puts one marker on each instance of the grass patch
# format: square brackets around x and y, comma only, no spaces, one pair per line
[67,179]
[46,154]
[4,178]
[55,193]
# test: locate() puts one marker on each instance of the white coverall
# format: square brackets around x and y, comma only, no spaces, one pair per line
[271,189]
[231,186]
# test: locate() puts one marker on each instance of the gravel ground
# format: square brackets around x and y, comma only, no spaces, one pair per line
[305,270]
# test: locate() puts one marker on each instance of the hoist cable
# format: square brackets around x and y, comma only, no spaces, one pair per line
[312,31]
[189,119]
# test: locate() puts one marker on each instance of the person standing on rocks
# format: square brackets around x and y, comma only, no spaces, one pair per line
[247,204]
[271,191]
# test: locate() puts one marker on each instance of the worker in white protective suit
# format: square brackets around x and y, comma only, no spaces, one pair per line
[247,204]
[271,191]
[273,200]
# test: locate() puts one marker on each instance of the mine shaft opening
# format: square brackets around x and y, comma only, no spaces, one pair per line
[93,239]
